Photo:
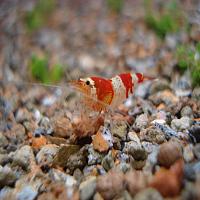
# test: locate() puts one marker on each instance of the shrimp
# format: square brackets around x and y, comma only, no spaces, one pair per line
[101,93]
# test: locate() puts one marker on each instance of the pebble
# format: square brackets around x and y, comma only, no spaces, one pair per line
[188,154]
[169,181]
[7,176]
[18,132]
[27,193]
[77,160]
[110,184]
[132,136]
[3,140]
[169,153]
[152,135]
[196,151]
[24,157]
[157,86]
[101,141]
[141,121]
[196,93]
[94,157]
[148,194]
[136,150]
[189,192]
[46,155]
[108,161]
[181,124]
[123,167]
[62,126]
[59,176]
[87,188]
[189,172]
[63,153]
[22,115]
[135,181]
[187,111]
[119,129]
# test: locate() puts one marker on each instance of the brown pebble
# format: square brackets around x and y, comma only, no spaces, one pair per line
[135,181]
[99,143]
[169,181]
[62,127]
[110,185]
[169,153]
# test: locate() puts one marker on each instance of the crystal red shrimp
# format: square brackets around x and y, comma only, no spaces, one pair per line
[101,92]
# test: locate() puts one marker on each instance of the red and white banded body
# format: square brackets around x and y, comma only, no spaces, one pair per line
[101,93]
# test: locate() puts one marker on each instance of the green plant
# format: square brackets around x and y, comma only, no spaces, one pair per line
[163,22]
[40,70]
[189,58]
[115,5]
[35,18]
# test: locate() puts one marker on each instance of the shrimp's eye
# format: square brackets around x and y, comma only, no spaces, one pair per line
[87,82]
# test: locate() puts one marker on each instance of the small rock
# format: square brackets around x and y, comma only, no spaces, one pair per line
[152,135]
[181,124]
[63,154]
[77,160]
[62,127]
[189,172]
[38,142]
[59,176]
[119,129]
[123,167]
[22,115]
[157,86]
[135,181]
[99,142]
[97,196]
[148,146]
[18,132]
[3,140]
[93,170]
[138,164]
[87,188]
[45,124]
[188,154]
[169,182]
[187,111]
[108,161]
[46,155]
[27,193]
[194,134]
[136,150]
[7,176]
[141,121]
[24,157]
[110,185]
[148,194]
[132,136]
[196,93]
[169,153]
[197,151]
[94,157]
[189,192]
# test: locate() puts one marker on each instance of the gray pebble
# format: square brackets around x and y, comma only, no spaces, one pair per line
[24,157]
[47,154]
[87,188]
[108,161]
[181,124]
[3,140]
[7,176]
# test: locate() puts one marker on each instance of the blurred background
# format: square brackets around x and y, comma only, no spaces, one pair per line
[53,41]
